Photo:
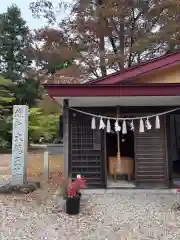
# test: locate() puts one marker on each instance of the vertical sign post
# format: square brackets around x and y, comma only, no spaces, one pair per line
[46,165]
[19,144]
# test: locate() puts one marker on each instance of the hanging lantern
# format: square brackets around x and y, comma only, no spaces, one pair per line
[157,122]
[148,124]
[124,127]
[132,125]
[102,124]
[108,126]
[93,123]
[141,126]
[117,127]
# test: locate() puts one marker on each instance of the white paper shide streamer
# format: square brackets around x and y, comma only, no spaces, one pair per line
[108,126]
[157,122]
[141,126]
[117,127]
[93,123]
[132,125]
[124,127]
[102,124]
[148,124]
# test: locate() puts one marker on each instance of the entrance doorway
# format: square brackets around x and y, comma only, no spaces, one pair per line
[174,149]
[125,176]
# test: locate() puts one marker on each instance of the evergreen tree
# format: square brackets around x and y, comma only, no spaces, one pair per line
[6,98]
[13,41]
[14,64]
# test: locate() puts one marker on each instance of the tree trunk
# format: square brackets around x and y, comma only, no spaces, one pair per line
[121,40]
[102,56]
[102,48]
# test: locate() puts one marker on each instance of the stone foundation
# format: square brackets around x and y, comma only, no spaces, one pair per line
[24,188]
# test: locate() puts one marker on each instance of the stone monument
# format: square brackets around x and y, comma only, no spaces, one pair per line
[20,144]
[19,153]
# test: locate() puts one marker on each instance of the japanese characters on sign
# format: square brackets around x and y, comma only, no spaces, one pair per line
[19,143]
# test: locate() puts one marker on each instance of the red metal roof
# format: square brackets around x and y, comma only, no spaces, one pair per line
[99,90]
[111,84]
[142,69]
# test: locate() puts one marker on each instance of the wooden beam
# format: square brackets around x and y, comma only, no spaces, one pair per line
[66,137]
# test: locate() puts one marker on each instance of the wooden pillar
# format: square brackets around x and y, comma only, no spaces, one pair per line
[118,140]
[118,162]
[66,137]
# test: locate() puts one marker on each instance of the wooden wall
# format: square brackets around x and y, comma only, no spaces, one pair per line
[86,151]
[171,75]
[150,156]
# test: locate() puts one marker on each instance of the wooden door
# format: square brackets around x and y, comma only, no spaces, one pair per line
[86,151]
[150,156]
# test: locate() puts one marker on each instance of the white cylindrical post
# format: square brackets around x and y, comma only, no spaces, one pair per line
[46,165]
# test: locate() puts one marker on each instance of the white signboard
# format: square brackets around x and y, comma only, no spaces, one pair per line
[19,144]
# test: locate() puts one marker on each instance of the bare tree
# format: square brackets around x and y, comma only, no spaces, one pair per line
[100,36]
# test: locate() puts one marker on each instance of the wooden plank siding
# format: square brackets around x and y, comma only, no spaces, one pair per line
[150,155]
[66,137]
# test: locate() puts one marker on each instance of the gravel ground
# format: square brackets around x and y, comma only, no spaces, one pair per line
[120,214]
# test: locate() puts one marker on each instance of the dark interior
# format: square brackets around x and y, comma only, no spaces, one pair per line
[126,145]
[111,144]
[174,148]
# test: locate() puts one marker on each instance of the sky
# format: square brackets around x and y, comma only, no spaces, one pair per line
[26,13]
